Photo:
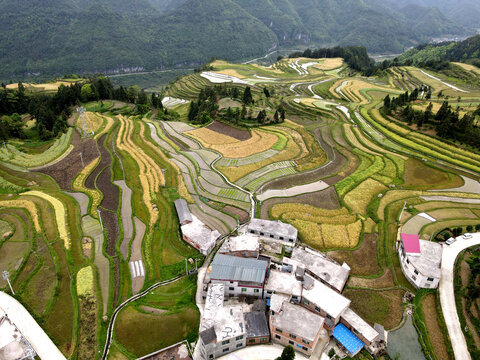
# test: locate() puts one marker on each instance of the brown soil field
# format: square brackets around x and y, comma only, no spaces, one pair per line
[110,222]
[110,192]
[65,170]
[429,308]
[325,199]
[105,160]
[356,259]
[225,129]
[241,214]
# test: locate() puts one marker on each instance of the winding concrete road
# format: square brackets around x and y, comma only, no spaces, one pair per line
[447,296]
[26,324]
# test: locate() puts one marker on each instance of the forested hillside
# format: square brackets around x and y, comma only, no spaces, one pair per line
[434,54]
[56,37]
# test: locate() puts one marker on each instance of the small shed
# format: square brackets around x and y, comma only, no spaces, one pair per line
[183,212]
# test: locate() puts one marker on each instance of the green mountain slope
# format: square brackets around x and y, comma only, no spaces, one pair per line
[464,51]
[54,37]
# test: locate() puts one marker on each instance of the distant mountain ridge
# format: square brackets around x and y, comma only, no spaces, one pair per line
[76,36]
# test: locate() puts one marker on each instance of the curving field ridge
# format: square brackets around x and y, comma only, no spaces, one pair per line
[81,238]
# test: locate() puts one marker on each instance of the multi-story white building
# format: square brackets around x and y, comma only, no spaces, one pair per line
[296,326]
[222,328]
[241,276]
[420,261]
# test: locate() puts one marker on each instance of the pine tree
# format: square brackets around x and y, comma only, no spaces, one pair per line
[247,96]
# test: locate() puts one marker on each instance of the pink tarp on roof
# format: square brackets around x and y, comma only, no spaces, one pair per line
[411,243]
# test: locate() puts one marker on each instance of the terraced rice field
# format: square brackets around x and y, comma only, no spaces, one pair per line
[337,169]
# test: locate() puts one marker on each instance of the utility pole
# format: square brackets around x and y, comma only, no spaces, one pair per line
[5,146]
[81,158]
[186,267]
[196,264]
[6,276]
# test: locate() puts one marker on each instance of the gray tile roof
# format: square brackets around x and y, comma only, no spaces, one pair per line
[182,211]
[233,268]
[256,324]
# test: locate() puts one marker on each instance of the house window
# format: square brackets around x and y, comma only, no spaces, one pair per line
[211,356]
[225,342]
[429,279]
[231,288]
[244,253]
[306,302]
[317,309]
[231,282]
[355,331]
[252,232]
[281,237]
[251,341]
[293,336]
[263,339]
[329,317]
[261,233]
[291,342]
[269,291]
[277,336]
[244,289]
[414,278]
[225,350]
[239,345]
[239,337]
[278,330]
[271,236]
[306,341]
[256,290]
[415,272]
[304,348]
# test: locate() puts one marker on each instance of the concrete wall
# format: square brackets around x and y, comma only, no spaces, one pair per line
[215,350]
[357,334]
[243,254]
[258,340]
[272,236]
[234,289]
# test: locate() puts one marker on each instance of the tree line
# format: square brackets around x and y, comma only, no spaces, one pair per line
[448,122]
[51,111]
[356,57]
[206,108]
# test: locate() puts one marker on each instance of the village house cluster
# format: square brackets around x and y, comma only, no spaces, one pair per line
[262,286]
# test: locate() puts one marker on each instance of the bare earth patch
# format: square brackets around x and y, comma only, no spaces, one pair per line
[225,129]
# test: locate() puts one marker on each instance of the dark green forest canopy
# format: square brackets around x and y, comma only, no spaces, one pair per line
[58,37]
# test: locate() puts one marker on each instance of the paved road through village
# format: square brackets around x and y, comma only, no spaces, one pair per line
[26,324]
[447,297]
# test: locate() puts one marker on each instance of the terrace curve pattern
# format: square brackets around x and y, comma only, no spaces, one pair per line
[350,178]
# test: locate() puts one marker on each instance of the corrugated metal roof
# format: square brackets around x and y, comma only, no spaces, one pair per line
[348,339]
[183,211]
[235,268]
